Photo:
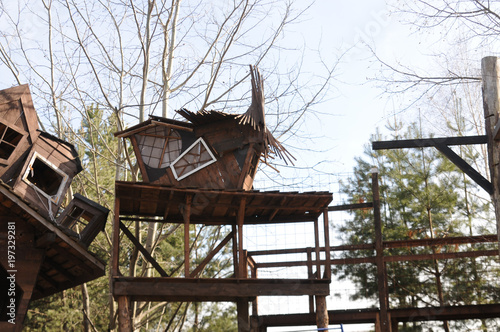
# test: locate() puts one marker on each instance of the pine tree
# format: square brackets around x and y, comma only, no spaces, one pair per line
[422,196]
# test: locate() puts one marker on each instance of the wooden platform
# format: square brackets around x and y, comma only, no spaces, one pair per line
[139,202]
[218,207]
[214,290]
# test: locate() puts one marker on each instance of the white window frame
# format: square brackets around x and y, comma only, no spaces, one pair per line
[172,165]
[65,177]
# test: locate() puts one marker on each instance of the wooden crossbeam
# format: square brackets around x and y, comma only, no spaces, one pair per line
[466,168]
[211,255]
[143,250]
[429,142]
[442,144]
[395,258]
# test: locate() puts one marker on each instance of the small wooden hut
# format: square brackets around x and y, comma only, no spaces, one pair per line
[42,251]
[213,149]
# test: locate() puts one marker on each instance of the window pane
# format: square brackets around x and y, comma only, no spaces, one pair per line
[159,146]
[192,160]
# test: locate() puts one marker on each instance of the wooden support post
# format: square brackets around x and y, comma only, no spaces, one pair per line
[394,325]
[321,312]
[377,322]
[124,317]
[310,276]
[316,244]
[328,266]
[255,302]
[241,219]
[235,251]
[490,69]
[243,316]
[116,240]
[187,220]
[383,295]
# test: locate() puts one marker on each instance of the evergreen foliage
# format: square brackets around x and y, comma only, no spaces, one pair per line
[423,196]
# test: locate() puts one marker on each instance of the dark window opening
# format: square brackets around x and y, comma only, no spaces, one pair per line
[9,139]
[44,177]
[77,219]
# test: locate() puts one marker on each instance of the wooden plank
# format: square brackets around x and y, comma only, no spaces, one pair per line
[124,314]
[242,315]
[246,166]
[429,142]
[383,292]
[346,207]
[235,250]
[240,221]
[321,313]
[115,254]
[187,216]
[140,162]
[143,250]
[369,316]
[446,255]
[326,225]
[316,249]
[167,289]
[440,241]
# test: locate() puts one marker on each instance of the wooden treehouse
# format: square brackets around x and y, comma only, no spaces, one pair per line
[201,172]
[43,250]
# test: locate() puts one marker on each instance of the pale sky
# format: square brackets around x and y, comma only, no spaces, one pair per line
[357,106]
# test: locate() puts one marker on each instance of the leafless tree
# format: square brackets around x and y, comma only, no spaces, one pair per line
[133,58]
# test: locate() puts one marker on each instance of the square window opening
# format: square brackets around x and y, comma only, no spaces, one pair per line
[45,178]
[9,139]
[77,219]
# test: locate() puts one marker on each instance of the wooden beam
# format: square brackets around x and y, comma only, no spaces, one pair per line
[490,71]
[317,249]
[187,215]
[440,241]
[346,207]
[429,142]
[442,144]
[211,255]
[241,255]
[396,258]
[147,256]
[235,250]
[326,225]
[243,316]
[369,315]
[182,289]
[124,314]
[45,240]
[115,254]
[445,255]
[321,313]
[383,293]
[466,168]
[56,266]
